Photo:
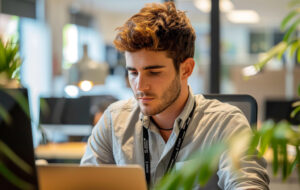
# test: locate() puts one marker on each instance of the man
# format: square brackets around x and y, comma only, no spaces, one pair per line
[159,47]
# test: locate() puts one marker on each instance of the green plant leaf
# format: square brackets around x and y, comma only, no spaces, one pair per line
[286,20]
[295,111]
[204,175]
[13,179]
[189,181]
[299,90]
[293,3]
[285,160]
[3,64]
[254,143]
[295,162]
[169,181]
[13,58]
[265,135]
[4,149]
[4,115]
[294,46]
[199,165]
[280,131]
[298,166]
[20,99]
[298,55]
[291,30]
[10,60]
[282,46]
[16,73]
[275,157]
[265,140]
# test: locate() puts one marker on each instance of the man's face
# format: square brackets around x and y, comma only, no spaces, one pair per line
[153,80]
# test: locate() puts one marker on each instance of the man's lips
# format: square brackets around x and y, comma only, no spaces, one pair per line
[145,99]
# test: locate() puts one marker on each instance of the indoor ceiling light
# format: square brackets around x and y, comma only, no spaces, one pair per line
[243,16]
[86,85]
[71,90]
[205,5]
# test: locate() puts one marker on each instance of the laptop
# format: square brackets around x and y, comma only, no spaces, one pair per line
[104,177]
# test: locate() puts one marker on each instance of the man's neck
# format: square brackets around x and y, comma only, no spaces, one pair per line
[166,119]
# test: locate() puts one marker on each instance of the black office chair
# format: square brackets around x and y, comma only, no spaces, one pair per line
[246,103]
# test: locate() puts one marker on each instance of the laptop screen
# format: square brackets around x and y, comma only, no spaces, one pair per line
[17,165]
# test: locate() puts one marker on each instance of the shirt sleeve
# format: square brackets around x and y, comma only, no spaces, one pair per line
[253,173]
[99,146]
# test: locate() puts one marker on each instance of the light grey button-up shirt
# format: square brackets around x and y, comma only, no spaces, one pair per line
[118,139]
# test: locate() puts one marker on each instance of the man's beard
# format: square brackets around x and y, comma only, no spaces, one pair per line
[169,96]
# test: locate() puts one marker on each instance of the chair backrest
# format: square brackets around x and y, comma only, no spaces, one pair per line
[246,103]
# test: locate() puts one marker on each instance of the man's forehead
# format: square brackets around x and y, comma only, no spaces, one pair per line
[146,52]
[146,59]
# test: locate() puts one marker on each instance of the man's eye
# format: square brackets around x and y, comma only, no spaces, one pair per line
[154,73]
[133,73]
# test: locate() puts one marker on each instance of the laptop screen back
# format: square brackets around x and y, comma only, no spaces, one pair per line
[106,177]
[18,137]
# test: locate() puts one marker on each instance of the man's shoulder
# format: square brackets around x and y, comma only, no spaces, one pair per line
[123,105]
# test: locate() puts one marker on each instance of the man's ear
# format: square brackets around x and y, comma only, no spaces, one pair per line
[187,67]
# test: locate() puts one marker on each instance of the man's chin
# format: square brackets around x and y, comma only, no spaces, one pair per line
[147,111]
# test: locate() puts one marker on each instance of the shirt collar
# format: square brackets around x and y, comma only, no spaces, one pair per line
[186,110]
[179,121]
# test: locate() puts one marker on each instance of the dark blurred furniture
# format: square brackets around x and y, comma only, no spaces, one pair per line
[246,103]
[280,109]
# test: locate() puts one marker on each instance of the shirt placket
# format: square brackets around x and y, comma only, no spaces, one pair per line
[165,151]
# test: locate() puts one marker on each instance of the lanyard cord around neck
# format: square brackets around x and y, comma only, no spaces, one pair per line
[175,152]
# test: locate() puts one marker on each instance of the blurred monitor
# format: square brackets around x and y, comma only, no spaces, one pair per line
[66,111]
[16,135]
[70,116]
[280,109]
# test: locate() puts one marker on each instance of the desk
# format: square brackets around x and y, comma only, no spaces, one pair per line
[64,152]
[61,151]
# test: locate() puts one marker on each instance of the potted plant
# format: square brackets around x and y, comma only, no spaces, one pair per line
[10,63]
[271,135]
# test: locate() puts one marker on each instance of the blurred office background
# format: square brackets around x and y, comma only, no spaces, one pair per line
[57,36]
[68,55]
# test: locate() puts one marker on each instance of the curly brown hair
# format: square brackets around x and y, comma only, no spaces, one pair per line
[158,27]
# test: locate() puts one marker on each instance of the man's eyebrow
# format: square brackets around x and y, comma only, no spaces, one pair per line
[130,69]
[154,67]
[146,68]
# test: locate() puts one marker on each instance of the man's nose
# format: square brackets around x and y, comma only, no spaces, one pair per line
[142,83]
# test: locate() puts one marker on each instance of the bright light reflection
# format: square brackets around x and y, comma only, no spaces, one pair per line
[249,71]
[70,50]
[243,16]
[86,85]
[72,90]
[205,5]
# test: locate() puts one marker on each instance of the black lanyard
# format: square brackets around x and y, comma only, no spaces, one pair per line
[175,152]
